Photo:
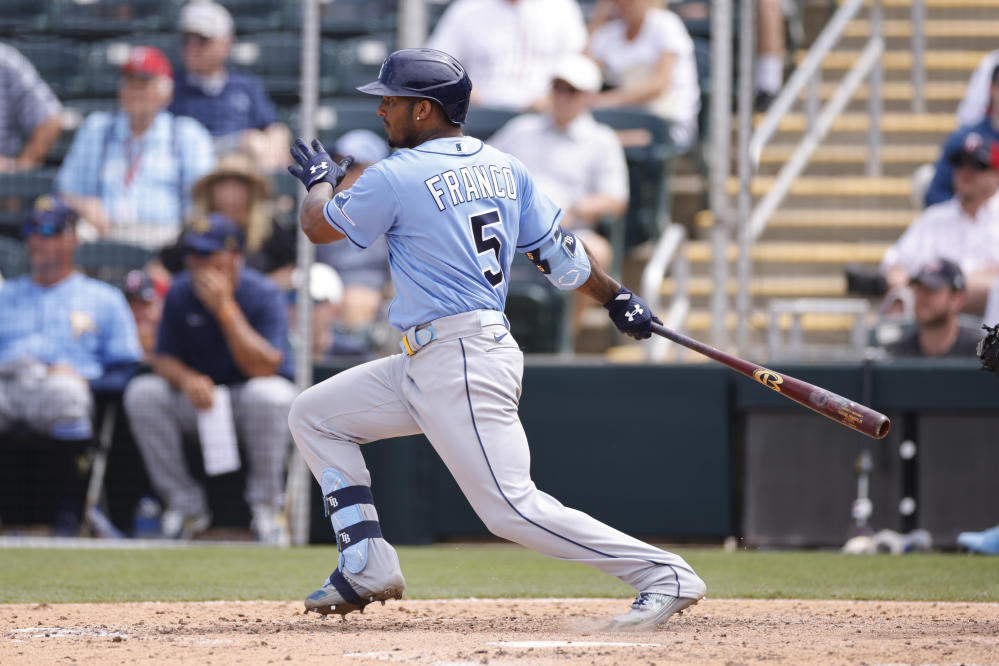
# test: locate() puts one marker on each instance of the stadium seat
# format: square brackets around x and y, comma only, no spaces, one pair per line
[482,122]
[347,17]
[276,57]
[22,16]
[255,15]
[649,152]
[59,62]
[537,316]
[339,115]
[357,61]
[18,192]
[103,18]
[13,258]
[73,114]
[110,260]
[105,57]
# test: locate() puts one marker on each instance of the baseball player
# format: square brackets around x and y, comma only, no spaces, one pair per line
[453,211]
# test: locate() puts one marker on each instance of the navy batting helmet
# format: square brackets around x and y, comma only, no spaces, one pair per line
[427,74]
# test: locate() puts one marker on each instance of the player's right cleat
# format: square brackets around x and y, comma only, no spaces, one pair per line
[980,542]
[650,610]
[340,596]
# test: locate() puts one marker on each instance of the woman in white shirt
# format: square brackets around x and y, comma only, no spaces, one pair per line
[648,57]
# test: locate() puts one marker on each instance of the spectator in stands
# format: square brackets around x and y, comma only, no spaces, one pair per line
[511,61]
[326,290]
[145,299]
[59,330]
[575,160]
[233,105]
[647,57]
[29,113]
[939,292]
[237,189]
[964,229]
[129,174]
[222,325]
[941,187]
[364,273]
[978,101]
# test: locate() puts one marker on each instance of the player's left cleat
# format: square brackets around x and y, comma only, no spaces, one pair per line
[650,610]
[341,597]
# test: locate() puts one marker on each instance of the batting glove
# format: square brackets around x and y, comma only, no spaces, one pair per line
[316,166]
[631,315]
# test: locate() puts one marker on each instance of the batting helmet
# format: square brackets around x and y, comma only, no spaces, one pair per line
[427,74]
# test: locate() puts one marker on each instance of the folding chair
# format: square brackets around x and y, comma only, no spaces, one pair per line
[13,258]
[102,18]
[59,62]
[18,192]
[347,17]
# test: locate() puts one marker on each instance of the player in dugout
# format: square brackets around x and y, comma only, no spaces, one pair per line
[454,211]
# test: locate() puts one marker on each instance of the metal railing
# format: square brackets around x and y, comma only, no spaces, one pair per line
[668,254]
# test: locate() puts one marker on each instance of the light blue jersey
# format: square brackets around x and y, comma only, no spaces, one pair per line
[454,210]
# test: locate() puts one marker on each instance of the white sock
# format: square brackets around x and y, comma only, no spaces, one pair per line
[769,72]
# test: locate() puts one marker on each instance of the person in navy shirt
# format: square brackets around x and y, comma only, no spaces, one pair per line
[941,187]
[223,325]
[233,105]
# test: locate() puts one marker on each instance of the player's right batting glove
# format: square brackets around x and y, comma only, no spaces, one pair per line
[316,166]
[631,315]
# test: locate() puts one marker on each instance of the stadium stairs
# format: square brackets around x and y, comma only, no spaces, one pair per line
[834,215]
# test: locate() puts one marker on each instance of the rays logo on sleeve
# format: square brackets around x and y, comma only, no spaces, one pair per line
[340,200]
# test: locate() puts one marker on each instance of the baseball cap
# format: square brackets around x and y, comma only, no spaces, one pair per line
[939,274]
[212,233]
[325,284]
[148,62]
[364,146]
[579,72]
[50,216]
[976,151]
[137,285]
[206,18]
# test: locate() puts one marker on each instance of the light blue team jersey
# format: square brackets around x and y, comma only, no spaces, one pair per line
[454,211]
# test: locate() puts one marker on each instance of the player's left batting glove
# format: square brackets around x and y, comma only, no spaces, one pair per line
[631,315]
[316,166]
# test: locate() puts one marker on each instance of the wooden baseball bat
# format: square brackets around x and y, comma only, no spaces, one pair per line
[832,406]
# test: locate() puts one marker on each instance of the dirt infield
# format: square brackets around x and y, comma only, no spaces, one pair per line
[716,631]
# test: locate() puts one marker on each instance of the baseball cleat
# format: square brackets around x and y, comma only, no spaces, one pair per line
[650,610]
[328,599]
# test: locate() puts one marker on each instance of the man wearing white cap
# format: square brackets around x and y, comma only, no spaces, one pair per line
[575,160]
[233,105]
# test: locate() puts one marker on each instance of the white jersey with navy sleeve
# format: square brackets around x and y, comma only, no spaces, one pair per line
[454,211]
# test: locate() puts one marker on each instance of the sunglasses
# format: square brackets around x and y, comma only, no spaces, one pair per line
[194,39]
[45,229]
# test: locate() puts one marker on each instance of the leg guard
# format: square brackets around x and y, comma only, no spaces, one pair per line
[342,505]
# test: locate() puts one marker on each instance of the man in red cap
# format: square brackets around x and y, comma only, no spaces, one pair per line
[129,174]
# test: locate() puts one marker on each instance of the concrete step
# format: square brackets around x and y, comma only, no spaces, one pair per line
[800,253]
[948,91]
[922,123]
[811,225]
[986,26]
[764,288]
[854,154]
[843,186]
[949,60]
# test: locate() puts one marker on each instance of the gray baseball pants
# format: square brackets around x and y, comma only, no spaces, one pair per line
[161,415]
[462,390]
[58,405]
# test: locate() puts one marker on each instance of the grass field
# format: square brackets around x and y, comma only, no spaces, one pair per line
[482,571]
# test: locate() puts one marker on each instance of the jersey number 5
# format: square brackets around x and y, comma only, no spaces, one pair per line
[484,244]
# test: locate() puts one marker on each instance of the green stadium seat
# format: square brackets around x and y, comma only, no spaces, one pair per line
[13,258]
[649,152]
[276,57]
[255,15]
[482,121]
[357,61]
[105,58]
[18,192]
[337,116]
[103,18]
[21,16]
[347,17]
[110,260]
[60,63]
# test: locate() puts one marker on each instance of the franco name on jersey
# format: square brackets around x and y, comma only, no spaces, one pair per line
[472,183]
